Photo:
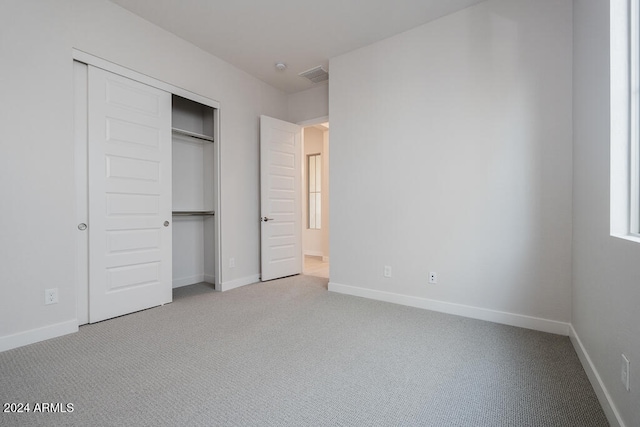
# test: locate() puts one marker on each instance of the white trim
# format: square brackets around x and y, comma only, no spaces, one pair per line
[609,408]
[80,116]
[313,253]
[512,319]
[313,122]
[243,281]
[209,278]
[634,185]
[217,242]
[87,58]
[186,281]
[629,237]
[620,125]
[39,334]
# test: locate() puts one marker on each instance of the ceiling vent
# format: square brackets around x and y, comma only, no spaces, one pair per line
[316,75]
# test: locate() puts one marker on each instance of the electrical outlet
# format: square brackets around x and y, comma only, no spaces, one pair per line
[232,262]
[51,296]
[387,271]
[625,372]
[433,277]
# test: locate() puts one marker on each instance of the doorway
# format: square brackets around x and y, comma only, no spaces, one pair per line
[315,199]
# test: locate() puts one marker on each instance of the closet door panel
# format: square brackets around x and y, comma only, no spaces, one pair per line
[129,195]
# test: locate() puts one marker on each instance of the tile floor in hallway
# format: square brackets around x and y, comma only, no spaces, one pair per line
[314,266]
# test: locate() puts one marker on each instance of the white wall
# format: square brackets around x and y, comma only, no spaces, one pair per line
[37,234]
[309,104]
[606,272]
[451,152]
[36,169]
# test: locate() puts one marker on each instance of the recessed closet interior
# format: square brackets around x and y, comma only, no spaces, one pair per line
[193,192]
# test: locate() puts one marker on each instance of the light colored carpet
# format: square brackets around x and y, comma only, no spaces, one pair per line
[289,353]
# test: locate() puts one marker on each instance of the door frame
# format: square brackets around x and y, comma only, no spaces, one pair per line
[303,124]
[81,167]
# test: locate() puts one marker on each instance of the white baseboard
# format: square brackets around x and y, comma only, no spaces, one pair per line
[209,278]
[609,408]
[185,281]
[232,284]
[39,334]
[512,319]
[313,253]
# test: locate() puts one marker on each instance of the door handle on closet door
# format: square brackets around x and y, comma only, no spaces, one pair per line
[265,219]
[82,226]
[166,223]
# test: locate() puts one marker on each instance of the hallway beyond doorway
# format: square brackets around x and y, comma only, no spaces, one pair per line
[314,266]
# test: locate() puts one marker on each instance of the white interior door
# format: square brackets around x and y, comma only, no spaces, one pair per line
[129,159]
[280,205]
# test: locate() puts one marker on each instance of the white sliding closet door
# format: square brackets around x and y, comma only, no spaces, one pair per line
[129,159]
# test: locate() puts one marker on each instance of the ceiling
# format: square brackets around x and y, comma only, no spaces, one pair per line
[255,34]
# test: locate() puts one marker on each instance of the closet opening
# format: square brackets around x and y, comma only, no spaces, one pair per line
[193,192]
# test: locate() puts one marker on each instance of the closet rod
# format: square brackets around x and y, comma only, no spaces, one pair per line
[193,213]
[192,134]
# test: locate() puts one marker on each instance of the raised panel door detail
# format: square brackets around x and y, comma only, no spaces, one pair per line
[281,206]
[279,158]
[132,133]
[129,276]
[132,204]
[133,240]
[280,182]
[283,253]
[135,169]
[129,160]
[284,136]
[283,229]
[280,178]
[130,98]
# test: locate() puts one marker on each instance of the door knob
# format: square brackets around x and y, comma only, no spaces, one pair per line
[82,226]
[265,219]
[166,223]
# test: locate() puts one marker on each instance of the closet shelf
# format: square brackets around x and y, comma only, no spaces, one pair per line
[192,134]
[193,213]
